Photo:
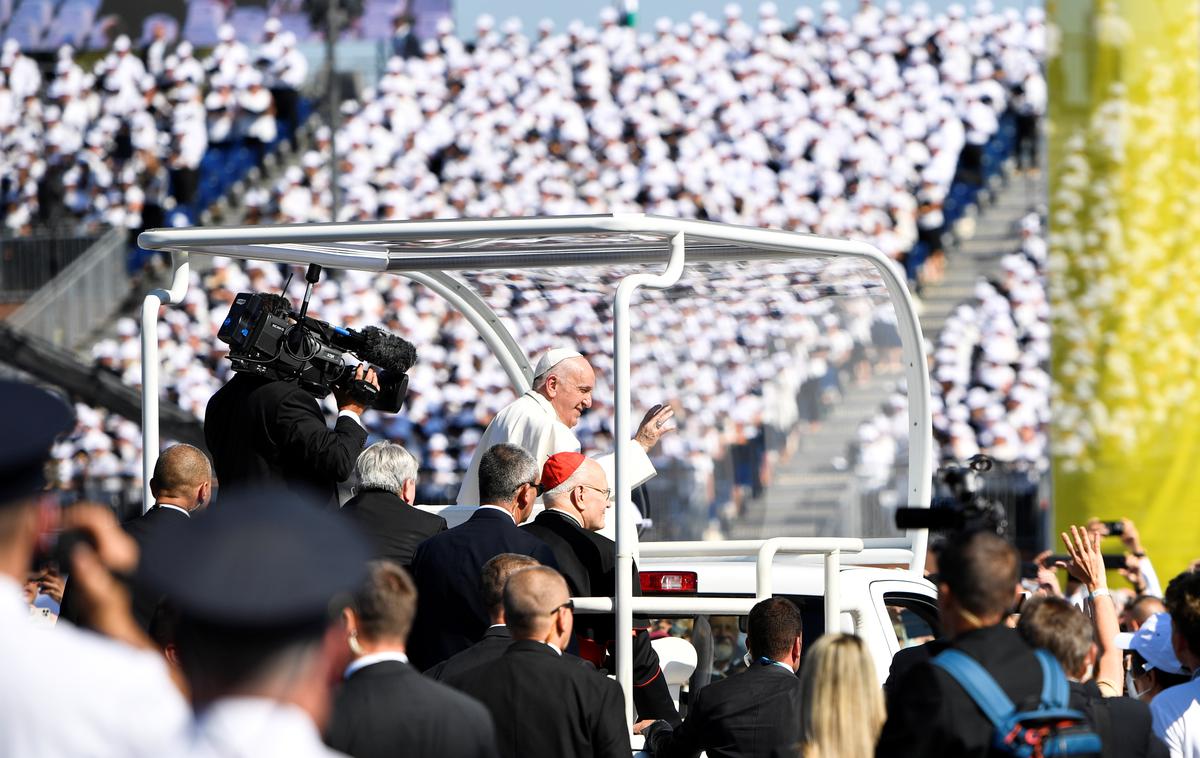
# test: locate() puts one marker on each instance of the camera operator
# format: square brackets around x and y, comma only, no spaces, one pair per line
[263,431]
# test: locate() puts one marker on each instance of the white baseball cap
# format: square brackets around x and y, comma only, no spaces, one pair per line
[552,358]
[1152,641]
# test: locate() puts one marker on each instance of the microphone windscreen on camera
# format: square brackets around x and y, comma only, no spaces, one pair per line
[389,352]
[929,518]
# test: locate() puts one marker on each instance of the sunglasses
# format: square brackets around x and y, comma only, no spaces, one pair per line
[570,604]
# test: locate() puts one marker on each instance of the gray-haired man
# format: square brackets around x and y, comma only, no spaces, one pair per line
[386,476]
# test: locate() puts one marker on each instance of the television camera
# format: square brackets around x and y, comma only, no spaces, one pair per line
[965,508]
[267,338]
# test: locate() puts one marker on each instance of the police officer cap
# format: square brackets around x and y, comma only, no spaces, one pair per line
[264,558]
[32,419]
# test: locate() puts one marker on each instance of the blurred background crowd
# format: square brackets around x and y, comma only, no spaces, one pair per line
[869,123]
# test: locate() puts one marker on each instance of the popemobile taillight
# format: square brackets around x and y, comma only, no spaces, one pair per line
[668,582]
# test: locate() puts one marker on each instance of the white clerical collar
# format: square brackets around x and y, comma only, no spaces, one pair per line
[541,400]
[565,514]
[373,658]
[174,508]
[498,508]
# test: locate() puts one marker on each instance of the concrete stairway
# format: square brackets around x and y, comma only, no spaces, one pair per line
[809,495]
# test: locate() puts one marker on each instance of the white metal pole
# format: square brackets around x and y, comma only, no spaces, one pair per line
[920,420]
[833,604]
[626,528]
[487,324]
[762,568]
[150,367]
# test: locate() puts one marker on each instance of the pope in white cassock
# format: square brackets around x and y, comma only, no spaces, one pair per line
[540,421]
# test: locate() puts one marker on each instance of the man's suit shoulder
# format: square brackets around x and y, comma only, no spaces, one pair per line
[153,521]
[755,678]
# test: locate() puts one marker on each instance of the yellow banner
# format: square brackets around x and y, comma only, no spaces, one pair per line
[1124,162]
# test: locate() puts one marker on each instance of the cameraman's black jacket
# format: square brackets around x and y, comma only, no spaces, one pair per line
[273,432]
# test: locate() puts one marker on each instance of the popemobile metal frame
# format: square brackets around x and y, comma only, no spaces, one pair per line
[427,251]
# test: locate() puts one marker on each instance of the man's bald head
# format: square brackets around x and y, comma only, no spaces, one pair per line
[496,574]
[533,602]
[568,386]
[182,476]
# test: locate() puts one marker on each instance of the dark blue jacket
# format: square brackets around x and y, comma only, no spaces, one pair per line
[447,569]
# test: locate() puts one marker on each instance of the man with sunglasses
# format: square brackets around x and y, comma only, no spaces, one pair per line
[451,612]
[576,495]
[543,705]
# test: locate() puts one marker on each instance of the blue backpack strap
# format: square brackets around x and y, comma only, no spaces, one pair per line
[978,683]
[1055,691]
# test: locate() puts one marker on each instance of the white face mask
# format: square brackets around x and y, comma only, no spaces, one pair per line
[1132,688]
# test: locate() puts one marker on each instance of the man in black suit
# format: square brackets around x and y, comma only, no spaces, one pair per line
[575,493]
[497,638]
[544,706]
[386,486]
[451,614]
[929,713]
[273,433]
[1123,723]
[385,706]
[753,713]
[181,485]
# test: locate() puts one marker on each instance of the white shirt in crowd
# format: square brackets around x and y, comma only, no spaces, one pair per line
[66,692]
[250,726]
[1176,718]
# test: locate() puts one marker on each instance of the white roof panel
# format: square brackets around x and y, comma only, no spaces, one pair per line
[490,244]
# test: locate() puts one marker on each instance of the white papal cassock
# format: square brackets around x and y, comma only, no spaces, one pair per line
[531,423]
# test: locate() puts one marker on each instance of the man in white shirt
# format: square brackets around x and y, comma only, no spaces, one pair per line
[1176,710]
[108,697]
[541,420]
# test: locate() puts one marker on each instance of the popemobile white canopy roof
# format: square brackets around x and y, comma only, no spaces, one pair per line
[492,244]
[426,250]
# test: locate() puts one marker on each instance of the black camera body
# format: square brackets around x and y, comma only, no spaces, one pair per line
[267,338]
[965,507]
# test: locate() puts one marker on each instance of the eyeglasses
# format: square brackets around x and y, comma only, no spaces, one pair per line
[570,604]
[607,493]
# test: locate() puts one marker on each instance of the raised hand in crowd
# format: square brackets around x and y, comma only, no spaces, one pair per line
[1087,565]
[104,599]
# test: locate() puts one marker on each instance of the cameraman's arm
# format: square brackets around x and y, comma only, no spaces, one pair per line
[330,453]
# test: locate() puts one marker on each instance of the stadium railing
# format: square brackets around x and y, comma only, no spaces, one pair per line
[85,293]
[29,263]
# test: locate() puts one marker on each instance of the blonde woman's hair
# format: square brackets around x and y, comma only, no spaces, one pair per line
[841,711]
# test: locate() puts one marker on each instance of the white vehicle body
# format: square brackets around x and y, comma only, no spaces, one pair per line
[428,251]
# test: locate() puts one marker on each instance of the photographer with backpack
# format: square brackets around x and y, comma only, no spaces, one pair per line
[990,693]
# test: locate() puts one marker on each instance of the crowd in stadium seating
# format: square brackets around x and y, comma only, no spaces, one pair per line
[120,144]
[843,126]
[989,372]
[848,127]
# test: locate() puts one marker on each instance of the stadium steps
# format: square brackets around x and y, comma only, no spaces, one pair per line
[229,209]
[994,236]
[808,490]
[805,496]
